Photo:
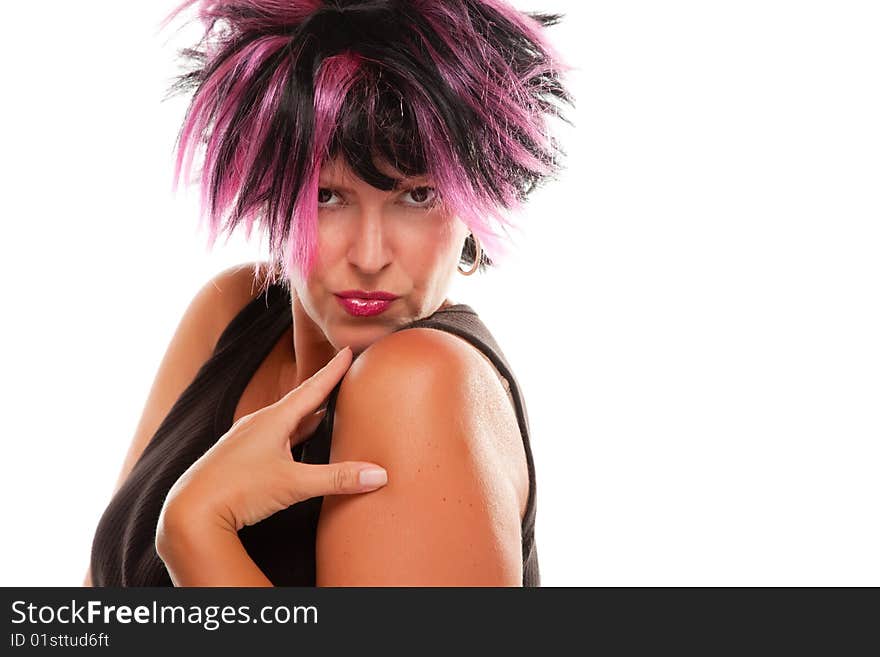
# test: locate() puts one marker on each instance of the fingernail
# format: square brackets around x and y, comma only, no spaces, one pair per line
[338,354]
[335,357]
[372,477]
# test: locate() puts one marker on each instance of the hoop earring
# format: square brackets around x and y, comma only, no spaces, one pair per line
[477,258]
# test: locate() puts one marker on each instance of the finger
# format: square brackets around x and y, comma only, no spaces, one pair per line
[312,392]
[337,478]
[307,426]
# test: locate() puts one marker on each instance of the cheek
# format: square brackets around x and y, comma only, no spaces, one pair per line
[426,259]
[329,255]
[437,241]
[332,236]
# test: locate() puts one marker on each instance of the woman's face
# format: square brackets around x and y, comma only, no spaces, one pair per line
[372,240]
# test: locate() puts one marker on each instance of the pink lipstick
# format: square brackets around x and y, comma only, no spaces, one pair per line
[361,303]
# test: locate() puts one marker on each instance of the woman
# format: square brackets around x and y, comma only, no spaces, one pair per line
[378,145]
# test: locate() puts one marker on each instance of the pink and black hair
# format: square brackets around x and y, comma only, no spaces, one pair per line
[459,90]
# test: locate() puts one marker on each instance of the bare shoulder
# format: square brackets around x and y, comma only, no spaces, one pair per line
[425,405]
[224,295]
[431,369]
[434,373]
[427,352]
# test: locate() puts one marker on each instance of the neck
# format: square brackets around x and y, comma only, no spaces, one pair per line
[312,350]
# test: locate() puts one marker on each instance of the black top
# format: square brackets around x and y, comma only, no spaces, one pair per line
[282,545]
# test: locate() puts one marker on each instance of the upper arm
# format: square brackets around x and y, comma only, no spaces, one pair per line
[430,410]
[192,343]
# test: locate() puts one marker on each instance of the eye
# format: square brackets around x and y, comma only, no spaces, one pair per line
[424,197]
[323,194]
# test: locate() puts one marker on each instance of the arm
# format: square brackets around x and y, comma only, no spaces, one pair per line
[195,338]
[426,406]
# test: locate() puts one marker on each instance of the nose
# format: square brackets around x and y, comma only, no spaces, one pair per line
[369,249]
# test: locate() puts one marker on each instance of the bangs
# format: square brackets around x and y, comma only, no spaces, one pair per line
[375,123]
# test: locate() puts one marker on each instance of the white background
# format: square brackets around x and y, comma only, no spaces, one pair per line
[692,314]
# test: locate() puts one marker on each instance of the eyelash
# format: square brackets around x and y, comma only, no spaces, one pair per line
[427,205]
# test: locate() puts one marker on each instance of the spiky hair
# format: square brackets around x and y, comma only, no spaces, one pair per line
[458,90]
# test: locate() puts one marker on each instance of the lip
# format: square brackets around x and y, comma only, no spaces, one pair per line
[362,307]
[363,294]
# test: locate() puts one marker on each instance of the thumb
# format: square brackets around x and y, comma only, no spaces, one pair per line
[337,478]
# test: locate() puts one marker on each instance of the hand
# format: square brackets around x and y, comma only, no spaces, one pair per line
[249,473]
